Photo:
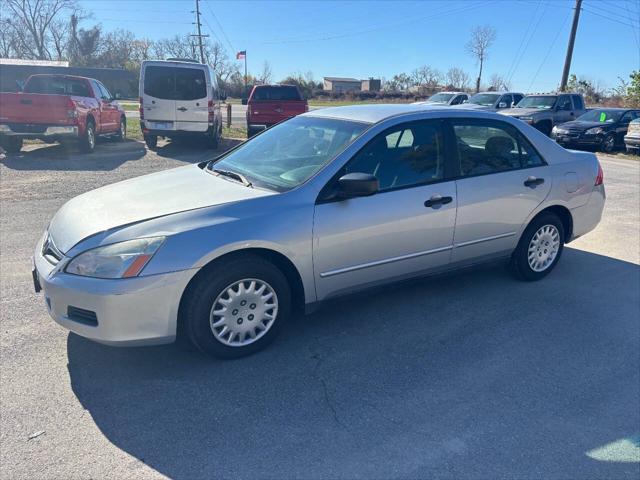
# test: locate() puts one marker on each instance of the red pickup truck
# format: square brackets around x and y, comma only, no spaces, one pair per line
[270,104]
[60,108]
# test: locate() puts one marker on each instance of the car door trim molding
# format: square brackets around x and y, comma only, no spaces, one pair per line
[376,263]
[485,239]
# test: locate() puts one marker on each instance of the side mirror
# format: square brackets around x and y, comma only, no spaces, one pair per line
[245,101]
[357,185]
[502,105]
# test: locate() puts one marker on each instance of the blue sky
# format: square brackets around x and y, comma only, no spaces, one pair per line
[381,38]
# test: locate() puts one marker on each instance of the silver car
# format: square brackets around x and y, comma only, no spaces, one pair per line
[327,203]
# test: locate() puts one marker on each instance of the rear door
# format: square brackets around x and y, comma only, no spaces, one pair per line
[564,110]
[192,96]
[501,181]
[158,97]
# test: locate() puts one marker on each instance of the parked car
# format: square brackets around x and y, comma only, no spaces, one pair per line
[60,108]
[179,98]
[446,99]
[492,101]
[545,111]
[271,104]
[632,138]
[324,204]
[602,128]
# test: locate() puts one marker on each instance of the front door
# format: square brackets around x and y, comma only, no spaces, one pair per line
[404,229]
[502,180]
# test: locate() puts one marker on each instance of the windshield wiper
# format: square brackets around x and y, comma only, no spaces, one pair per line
[235,175]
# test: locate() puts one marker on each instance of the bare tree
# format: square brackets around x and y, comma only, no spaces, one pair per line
[426,77]
[32,21]
[266,76]
[457,79]
[482,37]
[498,82]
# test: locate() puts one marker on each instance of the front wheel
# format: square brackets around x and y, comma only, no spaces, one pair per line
[236,307]
[608,144]
[539,248]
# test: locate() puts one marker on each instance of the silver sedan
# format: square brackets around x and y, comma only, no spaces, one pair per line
[327,203]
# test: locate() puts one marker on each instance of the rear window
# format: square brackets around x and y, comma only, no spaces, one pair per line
[57,86]
[275,93]
[171,83]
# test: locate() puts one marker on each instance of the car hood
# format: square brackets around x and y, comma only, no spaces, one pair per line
[521,112]
[581,125]
[143,198]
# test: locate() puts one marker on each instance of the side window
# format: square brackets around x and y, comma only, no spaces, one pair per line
[105,93]
[406,155]
[627,117]
[577,102]
[96,89]
[564,103]
[492,147]
[507,99]
[516,98]
[458,100]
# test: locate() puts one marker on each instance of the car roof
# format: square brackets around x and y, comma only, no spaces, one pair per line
[614,109]
[375,113]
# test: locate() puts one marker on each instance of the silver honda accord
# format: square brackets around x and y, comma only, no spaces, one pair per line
[327,203]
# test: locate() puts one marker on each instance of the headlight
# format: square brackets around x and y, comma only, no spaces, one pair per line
[118,260]
[594,131]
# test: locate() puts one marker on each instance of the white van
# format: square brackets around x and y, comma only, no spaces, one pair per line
[177,98]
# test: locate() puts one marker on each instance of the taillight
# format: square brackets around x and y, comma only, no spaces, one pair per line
[72,113]
[141,110]
[210,107]
[306,107]
[600,176]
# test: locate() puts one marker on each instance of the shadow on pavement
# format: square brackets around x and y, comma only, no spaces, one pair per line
[108,155]
[192,149]
[472,375]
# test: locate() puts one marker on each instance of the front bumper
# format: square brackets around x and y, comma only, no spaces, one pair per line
[123,312]
[39,131]
[632,142]
[573,140]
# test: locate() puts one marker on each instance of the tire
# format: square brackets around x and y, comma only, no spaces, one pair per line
[608,145]
[209,293]
[214,140]
[151,141]
[251,132]
[12,144]
[88,140]
[121,135]
[544,127]
[552,229]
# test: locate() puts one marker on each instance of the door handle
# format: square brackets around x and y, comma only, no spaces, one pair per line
[436,200]
[182,109]
[533,181]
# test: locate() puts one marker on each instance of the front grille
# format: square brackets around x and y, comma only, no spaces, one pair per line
[50,252]
[81,315]
[27,128]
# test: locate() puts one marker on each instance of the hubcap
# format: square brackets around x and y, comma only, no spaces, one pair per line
[244,312]
[544,248]
[90,136]
[123,129]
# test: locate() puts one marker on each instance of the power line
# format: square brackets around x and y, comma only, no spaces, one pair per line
[610,12]
[609,18]
[380,27]
[526,32]
[544,60]
[526,47]
[224,34]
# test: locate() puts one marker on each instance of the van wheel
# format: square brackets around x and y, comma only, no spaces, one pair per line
[12,144]
[237,307]
[213,140]
[151,141]
[88,140]
[539,249]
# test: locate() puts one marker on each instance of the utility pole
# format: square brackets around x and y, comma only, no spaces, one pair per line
[199,35]
[572,39]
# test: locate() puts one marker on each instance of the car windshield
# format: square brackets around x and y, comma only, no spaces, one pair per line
[542,101]
[286,155]
[486,99]
[602,116]
[441,97]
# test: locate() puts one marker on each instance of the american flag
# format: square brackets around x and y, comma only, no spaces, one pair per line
[240,55]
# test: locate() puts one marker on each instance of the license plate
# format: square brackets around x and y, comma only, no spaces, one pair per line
[161,125]
[36,281]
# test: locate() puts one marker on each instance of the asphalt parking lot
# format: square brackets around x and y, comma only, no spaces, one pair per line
[472,375]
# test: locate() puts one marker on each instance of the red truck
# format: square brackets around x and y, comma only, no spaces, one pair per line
[270,104]
[60,108]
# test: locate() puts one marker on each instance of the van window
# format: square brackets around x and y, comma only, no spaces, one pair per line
[275,93]
[171,83]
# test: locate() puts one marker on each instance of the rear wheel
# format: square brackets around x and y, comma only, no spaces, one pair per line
[121,135]
[12,144]
[539,249]
[213,139]
[151,141]
[544,127]
[236,307]
[88,140]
